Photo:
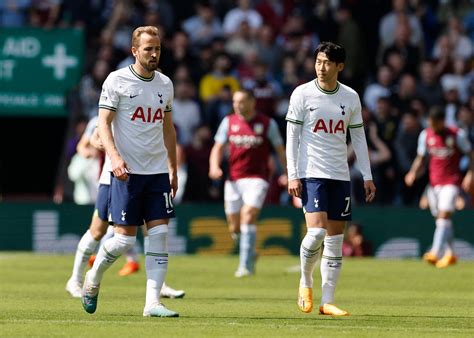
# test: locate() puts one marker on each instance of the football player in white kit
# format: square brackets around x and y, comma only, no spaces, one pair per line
[99,227]
[136,128]
[320,113]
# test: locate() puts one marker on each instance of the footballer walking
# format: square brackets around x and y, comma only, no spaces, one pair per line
[136,129]
[320,113]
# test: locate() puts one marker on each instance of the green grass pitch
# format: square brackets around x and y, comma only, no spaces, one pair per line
[386,298]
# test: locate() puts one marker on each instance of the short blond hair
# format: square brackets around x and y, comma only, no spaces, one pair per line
[152,30]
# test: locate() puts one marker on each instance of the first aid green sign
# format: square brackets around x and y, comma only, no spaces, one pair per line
[37,69]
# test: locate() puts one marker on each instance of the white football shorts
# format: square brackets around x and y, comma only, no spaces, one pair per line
[442,197]
[248,191]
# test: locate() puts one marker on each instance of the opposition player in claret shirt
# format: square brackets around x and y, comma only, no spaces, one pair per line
[249,135]
[136,129]
[320,113]
[444,147]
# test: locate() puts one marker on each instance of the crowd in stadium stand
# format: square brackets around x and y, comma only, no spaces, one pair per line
[403,57]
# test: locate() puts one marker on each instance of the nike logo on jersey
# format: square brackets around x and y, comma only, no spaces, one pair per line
[132,96]
[313,108]
[344,214]
[169,211]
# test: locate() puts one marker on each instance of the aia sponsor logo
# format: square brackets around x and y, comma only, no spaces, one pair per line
[331,127]
[148,116]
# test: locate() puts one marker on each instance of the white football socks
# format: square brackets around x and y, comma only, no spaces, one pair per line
[248,237]
[309,254]
[331,263]
[156,263]
[85,249]
[443,236]
[108,253]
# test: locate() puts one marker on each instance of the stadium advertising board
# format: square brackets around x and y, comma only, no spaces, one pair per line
[202,229]
[37,68]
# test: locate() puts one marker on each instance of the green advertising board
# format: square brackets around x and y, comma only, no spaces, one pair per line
[37,68]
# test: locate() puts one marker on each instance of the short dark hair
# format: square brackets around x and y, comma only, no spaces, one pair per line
[437,113]
[247,92]
[334,52]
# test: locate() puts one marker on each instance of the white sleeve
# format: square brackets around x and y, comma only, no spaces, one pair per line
[294,126]
[296,107]
[273,134]
[359,144]
[293,134]
[109,98]
[221,134]
[421,149]
[463,142]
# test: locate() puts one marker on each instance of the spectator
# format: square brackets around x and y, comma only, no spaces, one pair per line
[457,79]
[405,92]
[274,12]
[241,41]
[90,88]
[186,112]
[389,23]
[405,145]
[381,88]
[203,27]
[218,108]
[459,44]
[211,83]
[351,37]
[379,155]
[243,12]
[199,187]
[355,245]
[428,86]
[13,13]
[45,13]
[267,49]
[403,45]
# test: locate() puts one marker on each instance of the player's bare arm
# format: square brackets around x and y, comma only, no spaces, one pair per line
[414,171]
[215,159]
[84,147]
[95,141]
[280,150]
[468,181]
[119,167]
[169,137]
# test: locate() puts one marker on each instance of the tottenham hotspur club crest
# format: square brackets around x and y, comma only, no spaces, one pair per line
[342,107]
[161,97]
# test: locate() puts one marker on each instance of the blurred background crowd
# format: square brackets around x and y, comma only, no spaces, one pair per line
[403,57]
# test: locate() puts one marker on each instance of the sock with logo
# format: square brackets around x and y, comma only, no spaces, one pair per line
[248,236]
[331,264]
[108,253]
[86,247]
[156,263]
[309,254]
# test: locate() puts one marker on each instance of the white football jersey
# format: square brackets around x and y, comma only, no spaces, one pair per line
[140,105]
[325,117]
